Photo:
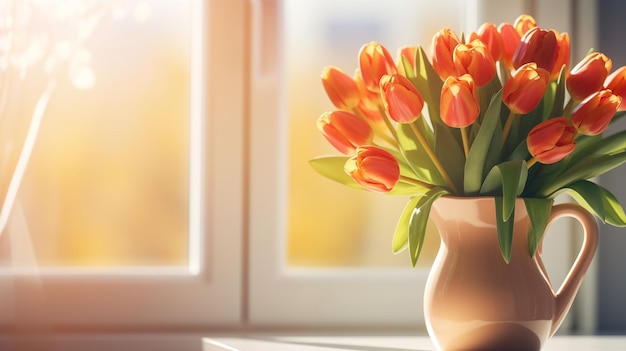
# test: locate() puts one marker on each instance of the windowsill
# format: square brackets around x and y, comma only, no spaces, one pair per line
[209,341]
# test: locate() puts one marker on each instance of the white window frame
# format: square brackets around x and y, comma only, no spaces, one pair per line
[379,298]
[202,296]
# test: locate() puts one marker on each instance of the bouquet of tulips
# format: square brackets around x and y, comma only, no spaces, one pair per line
[497,113]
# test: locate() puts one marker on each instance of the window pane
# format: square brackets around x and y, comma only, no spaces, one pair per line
[107,181]
[329,224]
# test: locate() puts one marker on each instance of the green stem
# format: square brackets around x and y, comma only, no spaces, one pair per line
[385,137]
[531,162]
[507,127]
[412,181]
[434,158]
[465,141]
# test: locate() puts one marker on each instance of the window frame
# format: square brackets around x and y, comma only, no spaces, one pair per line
[135,300]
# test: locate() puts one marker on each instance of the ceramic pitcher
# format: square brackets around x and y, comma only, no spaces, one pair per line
[474,300]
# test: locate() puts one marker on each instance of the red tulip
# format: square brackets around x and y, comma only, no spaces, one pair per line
[459,106]
[443,46]
[488,34]
[552,140]
[340,88]
[403,103]
[524,23]
[407,52]
[474,59]
[593,115]
[345,131]
[510,40]
[616,81]
[526,88]
[588,75]
[562,56]
[537,45]
[373,168]
[374,62]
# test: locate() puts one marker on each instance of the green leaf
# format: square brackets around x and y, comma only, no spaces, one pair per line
[414,153]
[510,176]
[539,213]
[332,167]
[418,221]
[428,83]
[599,201]
[401,235]
[476,164]
[559,96]
[505,230]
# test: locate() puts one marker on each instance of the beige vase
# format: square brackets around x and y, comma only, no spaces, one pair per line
[474,300]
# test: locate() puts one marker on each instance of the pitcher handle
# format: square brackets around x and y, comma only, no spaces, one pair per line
[564,297]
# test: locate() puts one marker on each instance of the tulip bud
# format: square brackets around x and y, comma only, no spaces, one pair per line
[345,131]
[374,169]
[489,35]
[369,99]
[474,59]
[552,140]
[403,103]
[407,52]
[340,88]
[562,56]
[510,40]
[443,46]
[593,115]
[526,88]
[616,81]
[537,45]
[374,62]
[459,106]
[524,23]
[588,75]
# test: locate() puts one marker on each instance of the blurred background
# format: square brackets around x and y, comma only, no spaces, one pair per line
[107,184]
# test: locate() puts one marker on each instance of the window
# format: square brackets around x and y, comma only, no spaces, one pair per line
[117,210]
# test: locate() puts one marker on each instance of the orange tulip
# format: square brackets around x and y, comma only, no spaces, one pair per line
[403,103]
[374,62]
[340,88]
[488,34]
[373,168]
[524,23]
[537,45]
[474,59]
[552,140]
[562,56]
[459,105]
[369,99]
[345,131]
[616,81]
[407,52]
[593,115]
[525,89]
[510,40]
[443,46]
[588,75]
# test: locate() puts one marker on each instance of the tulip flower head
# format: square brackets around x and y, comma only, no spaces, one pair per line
[345,131]
[489,35]
[475,59]
[588,75]
[526,88]
[562,56]
[341,89]
[374,62]
[373,168]
[406,52]
[403,103]
[552,140]
[510,40]
[459,105]
[616,82]
[443,46]
[537,45]
[524,23]
[593,115]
